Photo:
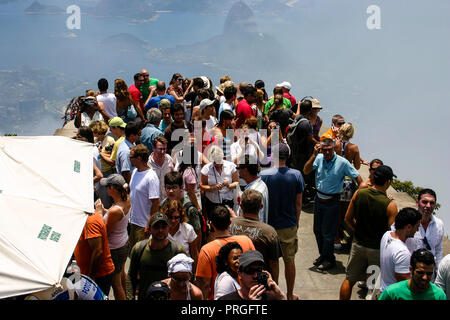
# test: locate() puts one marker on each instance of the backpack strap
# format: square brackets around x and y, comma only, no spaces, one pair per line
[174,248]
[290,130]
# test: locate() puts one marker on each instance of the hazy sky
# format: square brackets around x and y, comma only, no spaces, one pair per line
[392,83]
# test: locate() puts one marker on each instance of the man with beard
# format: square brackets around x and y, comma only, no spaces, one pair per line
[149,257]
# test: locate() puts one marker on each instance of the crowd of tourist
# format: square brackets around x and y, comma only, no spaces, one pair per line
[202,188]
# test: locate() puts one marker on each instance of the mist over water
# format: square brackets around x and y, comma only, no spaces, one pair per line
[391,83]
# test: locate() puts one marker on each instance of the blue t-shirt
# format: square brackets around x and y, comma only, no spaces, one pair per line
[123,162]
[283,184]
[224,106]
[154,102]
[330,175]
[148,134]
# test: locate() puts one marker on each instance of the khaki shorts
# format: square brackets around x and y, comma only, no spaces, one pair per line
[289,242]
[136,234]
[359,260]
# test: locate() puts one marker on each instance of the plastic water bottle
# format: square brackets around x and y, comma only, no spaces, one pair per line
[73,267]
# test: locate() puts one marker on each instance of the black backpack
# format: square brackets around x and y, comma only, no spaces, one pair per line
[291,132]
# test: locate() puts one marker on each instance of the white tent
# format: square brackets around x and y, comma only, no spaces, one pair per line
[46,192]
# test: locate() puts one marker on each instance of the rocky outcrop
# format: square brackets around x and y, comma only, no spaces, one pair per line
[37,8]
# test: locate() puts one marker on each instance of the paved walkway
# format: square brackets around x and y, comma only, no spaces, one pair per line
[312,284]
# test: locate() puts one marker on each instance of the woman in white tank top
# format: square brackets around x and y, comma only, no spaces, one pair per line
[116,221]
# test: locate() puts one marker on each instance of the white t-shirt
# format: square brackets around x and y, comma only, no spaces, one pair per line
[225,106]
[144,186]
[167,166]
[434,234]
[214,178]
[443,275]
[394,258]
[109,101]
[211,122]
[225,284]
[184,236]
[86,120]
[236,149]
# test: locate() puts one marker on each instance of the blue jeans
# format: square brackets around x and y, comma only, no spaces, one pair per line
[326,217]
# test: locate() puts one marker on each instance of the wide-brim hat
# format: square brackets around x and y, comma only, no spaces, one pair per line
[315,104]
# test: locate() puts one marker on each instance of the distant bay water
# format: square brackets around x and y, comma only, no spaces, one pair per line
[392,83]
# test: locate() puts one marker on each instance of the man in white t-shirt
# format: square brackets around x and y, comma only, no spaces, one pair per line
[108,99]
[208,113]
[394,254]
[248,169]
[144,194]
[431,228]
[161,163]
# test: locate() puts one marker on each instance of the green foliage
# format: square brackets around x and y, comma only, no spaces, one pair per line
[10,134]
[409,188]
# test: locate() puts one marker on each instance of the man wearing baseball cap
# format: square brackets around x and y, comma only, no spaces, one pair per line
[286,86]
[149,257]
[157,291]
[256,282]
[208,113]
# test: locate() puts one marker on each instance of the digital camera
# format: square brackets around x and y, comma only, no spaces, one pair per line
[262,278]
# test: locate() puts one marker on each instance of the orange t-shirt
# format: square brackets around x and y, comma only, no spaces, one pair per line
[94,228]
[206,265]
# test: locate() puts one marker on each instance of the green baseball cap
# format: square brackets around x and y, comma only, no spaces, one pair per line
[117,122]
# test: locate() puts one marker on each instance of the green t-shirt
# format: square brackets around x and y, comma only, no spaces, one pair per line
[151,267]
[145,88]
[401,291]
[269,104]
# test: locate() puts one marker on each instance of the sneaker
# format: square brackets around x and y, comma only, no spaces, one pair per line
[337,246]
